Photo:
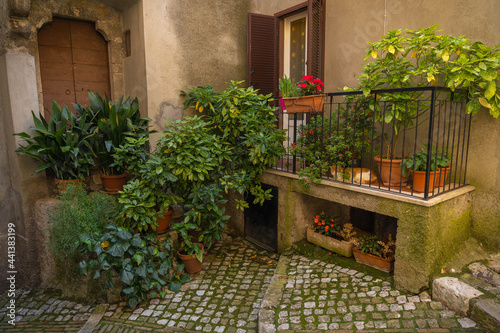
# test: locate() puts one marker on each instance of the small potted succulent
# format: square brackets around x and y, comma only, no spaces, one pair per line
[305,96]
[329,234]
[371,251]
[417,166]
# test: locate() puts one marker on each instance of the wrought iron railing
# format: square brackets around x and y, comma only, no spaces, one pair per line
[364,140]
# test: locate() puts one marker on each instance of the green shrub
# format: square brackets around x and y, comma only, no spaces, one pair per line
[143,264]
[78,214]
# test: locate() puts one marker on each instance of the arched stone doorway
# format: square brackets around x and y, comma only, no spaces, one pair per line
[73,59]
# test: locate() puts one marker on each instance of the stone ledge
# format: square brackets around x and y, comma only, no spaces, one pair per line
[486,312]
[454,293]
[416,199]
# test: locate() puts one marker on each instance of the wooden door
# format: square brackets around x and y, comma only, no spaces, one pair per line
[73,59]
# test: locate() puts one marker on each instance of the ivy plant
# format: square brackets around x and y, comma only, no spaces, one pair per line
[145,267]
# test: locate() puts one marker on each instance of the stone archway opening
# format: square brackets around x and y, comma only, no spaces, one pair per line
[73,60]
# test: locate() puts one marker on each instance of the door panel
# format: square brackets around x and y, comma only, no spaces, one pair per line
[90,73]
[89,57]
[57,71]
[56,33]
[73,59]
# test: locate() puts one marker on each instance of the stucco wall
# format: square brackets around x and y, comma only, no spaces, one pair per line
[190,43]
[134,66]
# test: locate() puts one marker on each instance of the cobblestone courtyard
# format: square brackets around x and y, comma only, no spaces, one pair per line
[315,296]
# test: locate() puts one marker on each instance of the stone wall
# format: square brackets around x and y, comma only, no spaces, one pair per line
[20,92]
[428,232]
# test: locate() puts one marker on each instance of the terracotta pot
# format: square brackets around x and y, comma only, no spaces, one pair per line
[390,171]
[62,184]
[436,179]
[164,223]
[313,103]
[191,264]
[338,246]
[114,183]
[379,263]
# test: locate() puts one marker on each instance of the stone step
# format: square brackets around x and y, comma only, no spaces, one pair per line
[475,294]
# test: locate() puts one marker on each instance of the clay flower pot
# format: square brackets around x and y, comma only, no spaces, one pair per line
[311,103]
[436,179]
[390,171]
[379,263]
[62,184]
[114,183]
[191,263]
[338,246]
[164,222]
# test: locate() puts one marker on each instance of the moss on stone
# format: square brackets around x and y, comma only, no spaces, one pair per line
[314,252]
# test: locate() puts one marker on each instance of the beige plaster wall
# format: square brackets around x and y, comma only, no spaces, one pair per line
[190,43]
[134,66]
[272,7]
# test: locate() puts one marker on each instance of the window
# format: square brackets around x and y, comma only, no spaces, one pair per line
[290,42]
[295,46]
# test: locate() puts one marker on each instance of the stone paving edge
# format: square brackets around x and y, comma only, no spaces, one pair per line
[94,319]
[272,297]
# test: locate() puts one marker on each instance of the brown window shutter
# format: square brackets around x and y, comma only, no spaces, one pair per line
[261,53]
[316,38]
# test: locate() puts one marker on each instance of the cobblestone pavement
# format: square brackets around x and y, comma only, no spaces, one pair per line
[227,295]
[321,296]
[43,312]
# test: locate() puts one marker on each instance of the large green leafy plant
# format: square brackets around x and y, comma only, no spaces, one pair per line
[143,265]
[147,196]
[112,124]
[227,149]
[423,58]
[61,144]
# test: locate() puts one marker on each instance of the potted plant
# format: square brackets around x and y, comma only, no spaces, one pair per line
[422,58]
[146,200]
[416,165]
[371,251]
[226,149]
[328,234]
[330,145]
[61,144]
[113,123]
[192,262]
[306,97]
